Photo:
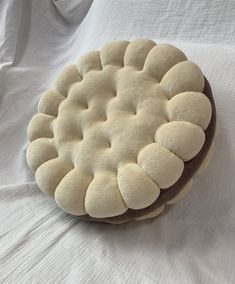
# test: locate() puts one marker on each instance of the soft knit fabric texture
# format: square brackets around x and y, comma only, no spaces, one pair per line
[117,128]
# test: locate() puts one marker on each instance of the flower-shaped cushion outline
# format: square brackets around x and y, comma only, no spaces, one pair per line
[159,164]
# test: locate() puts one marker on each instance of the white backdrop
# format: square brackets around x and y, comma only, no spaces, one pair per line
[195,241]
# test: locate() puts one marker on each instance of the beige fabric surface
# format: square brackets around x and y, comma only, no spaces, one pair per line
[118,127]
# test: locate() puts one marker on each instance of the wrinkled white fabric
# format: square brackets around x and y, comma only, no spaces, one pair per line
[195,241]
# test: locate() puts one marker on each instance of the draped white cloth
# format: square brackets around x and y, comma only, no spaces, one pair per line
[195,241]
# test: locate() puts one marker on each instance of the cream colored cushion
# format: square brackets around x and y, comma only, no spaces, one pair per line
[117,128]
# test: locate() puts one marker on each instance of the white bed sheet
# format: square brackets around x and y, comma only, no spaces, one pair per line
[195,241]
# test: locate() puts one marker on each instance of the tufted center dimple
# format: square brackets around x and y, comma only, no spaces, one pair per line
[122,124]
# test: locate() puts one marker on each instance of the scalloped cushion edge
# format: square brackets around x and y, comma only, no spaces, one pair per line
[179,196]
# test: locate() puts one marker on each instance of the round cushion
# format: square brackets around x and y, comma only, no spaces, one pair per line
[122,132]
